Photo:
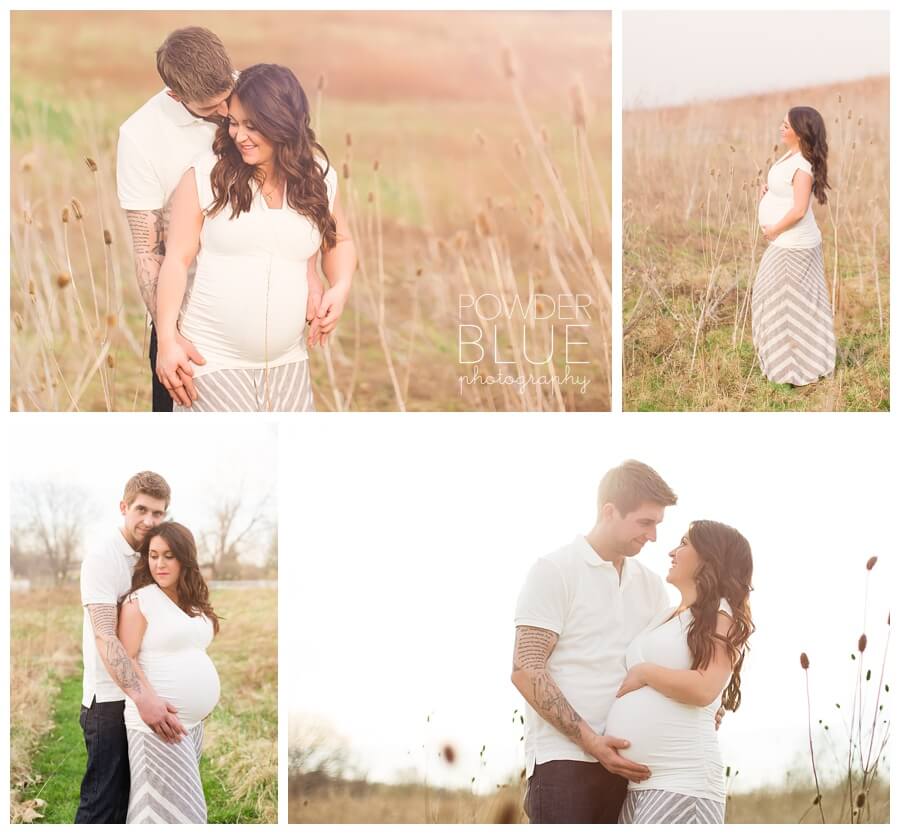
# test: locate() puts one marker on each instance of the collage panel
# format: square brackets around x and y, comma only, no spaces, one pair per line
[143,624]
[437,183]
[520,636]
[756,217]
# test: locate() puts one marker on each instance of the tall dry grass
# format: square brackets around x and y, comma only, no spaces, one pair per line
[79,336]
[692,245]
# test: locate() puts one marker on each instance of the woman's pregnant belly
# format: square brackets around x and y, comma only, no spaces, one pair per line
[772,208]
[677,742]
[246,312]
[187,680]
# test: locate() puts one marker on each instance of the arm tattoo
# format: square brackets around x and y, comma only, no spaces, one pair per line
[533,648]
[148,240]
[115,658]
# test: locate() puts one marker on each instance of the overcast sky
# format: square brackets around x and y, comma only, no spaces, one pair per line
[99,453]
[678,57]
[406,576]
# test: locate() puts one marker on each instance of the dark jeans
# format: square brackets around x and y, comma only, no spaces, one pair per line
[574,792]
[162,401]
[107,780]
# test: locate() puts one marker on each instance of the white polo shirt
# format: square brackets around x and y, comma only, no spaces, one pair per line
[579,596]
[105,577]
[157,144]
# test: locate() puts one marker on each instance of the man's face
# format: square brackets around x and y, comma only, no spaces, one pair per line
[144,513]
[212,109]
[633,530]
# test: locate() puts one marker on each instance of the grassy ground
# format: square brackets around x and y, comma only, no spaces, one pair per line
[452,189]
[360,802]
[691,249]
[239,765]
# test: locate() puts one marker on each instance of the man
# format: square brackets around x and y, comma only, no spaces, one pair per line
[579,609]
[108,671]
[157,144]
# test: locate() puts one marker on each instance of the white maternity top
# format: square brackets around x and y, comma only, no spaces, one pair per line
[779,200]
[247,308]
[173,657]
[676,741]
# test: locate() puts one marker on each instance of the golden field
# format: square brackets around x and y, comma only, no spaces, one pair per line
[691,246]
[474,153]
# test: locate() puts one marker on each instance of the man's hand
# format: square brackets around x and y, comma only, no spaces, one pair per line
[161,717]
[605,749]
[173,368]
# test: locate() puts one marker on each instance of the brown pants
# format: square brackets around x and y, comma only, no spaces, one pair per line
[574,792]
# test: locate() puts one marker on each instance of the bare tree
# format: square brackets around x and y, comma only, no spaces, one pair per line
[46,534]
[232,534]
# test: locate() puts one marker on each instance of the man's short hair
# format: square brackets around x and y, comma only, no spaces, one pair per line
[193,63]
[148,483]
[631,484]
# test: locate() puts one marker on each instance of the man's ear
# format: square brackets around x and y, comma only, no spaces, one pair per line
[607,510]
[175,96]
[123,507]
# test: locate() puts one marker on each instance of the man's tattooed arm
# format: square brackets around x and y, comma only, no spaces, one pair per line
[122,669]
[148,240]
[531,678]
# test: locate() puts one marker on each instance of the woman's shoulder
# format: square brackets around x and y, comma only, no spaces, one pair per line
[803,164]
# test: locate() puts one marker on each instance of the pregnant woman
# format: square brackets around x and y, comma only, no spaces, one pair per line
[677,671]
[166,624]
[793,326]
[259,208]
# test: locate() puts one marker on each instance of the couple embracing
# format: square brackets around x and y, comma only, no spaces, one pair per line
[231,202]
[148,682]
[623,687]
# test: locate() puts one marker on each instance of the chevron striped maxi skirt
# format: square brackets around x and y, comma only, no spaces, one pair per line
[655,806]
[793,325]
[282,388]
[165,778]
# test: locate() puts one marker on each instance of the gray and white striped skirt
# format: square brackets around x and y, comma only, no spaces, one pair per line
[282,388]
[165,778]
[655,806]
[793,325]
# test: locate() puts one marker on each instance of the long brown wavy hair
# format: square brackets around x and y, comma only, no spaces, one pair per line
[809,126]
[725,571]
[193,595]
[279,109]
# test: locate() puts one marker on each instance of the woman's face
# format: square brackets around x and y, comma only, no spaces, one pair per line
[254,148]
[685,562]
[164,567]
[788,137]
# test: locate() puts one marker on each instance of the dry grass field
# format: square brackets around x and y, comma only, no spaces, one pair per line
[240,764]
[474,154]
[692,245]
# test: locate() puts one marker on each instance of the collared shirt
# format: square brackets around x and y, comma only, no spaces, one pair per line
[157,144]
[105,577]
[580,597]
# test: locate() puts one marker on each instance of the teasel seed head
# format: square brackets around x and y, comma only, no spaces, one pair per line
[579,111]
[509,68]
[804,660]
[77,208]
[110,360]
[63,279]
[863,642]
[92,166]
[107,237]
[871,563]
[65,214]
[18,321]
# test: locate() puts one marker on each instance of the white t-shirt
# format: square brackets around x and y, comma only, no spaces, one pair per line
[579,596]
[779,200]
[174,659]
[248,305]
[105,577]
[678,742]
[156,145]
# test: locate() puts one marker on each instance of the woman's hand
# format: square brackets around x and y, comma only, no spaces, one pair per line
[769,233]
[634,679]
[330,310]
[174,371]
[763,189]
[315,291]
